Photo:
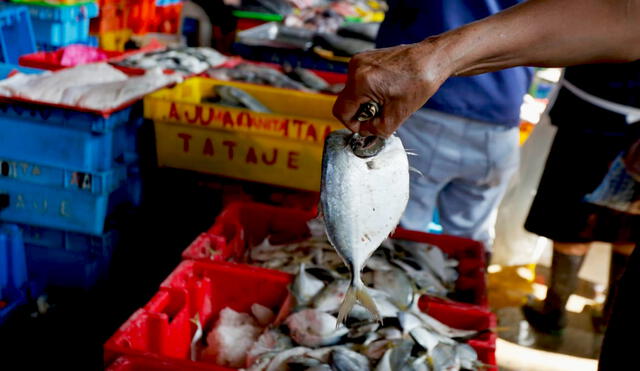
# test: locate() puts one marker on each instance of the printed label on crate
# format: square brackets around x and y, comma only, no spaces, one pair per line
[257,158]
[221,117]
[46,175]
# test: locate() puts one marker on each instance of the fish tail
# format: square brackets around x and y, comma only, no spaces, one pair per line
[357,292]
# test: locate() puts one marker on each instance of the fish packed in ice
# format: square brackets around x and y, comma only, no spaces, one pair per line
[310,337]
[187,60]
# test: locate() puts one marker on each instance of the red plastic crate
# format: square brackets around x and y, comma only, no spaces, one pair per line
[243,225]
[162,329]
[113,17]
[141,15]
[130,363]
[168,18]
[52,60]
[468,317]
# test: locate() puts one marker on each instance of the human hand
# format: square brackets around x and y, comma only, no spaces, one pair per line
[400,79]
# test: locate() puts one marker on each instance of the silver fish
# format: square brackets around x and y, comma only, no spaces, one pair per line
[313,328]
[362,202]
[397,285]
[329,299]
[305,287]
[444,358]
[239,96]
[279,362]
[270,341]
[344,359]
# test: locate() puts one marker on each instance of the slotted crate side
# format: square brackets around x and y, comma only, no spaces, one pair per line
[244,225]
[64,209]
[13,271]
[16,34]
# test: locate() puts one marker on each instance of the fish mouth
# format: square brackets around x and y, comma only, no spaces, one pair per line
[366,146]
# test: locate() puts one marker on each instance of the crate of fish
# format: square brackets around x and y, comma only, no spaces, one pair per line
[133,363]
[227,316]
[16,34]
[280,238]
[286,76]
[14,284]
[59,25]
[243,131]
[65,209]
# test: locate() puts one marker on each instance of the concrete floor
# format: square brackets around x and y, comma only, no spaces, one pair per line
[521,349]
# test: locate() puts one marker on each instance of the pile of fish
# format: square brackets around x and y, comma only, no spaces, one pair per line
[234,97]
[294,77]
[187,60]
[309,338]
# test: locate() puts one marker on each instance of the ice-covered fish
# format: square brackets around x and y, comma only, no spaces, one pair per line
[239,96]
[313,328]
[362,202]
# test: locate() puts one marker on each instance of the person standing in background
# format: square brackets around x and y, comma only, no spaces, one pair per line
[466,137]
[590,136]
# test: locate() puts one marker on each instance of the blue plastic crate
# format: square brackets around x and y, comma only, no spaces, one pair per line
[63,268]
[6,69]
[167,2]
[16,34]
[13,270]
[61,13]
[89,41]
[101,245]
[103,182]
[79,120]
[67,148]
[60,25]
[63,209]
[51,33]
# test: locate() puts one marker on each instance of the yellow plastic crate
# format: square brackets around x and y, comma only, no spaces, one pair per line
[114,40]
[282,148]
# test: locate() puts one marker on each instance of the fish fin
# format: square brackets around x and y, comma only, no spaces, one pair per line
[367,301]
[347,304]
[411,168]
[357,293]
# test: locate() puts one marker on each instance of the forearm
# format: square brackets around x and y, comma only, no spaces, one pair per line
[557,33]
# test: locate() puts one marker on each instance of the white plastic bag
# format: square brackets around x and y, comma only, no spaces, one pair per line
[514,245]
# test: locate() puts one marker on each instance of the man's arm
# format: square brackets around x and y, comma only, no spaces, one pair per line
[546,33]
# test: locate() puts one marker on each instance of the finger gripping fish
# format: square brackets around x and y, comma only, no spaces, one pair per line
[362,201]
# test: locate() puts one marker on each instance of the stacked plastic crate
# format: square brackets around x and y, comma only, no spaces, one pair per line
[14,284]
[111,27]
[168,16]
[66,176]
[56,25]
